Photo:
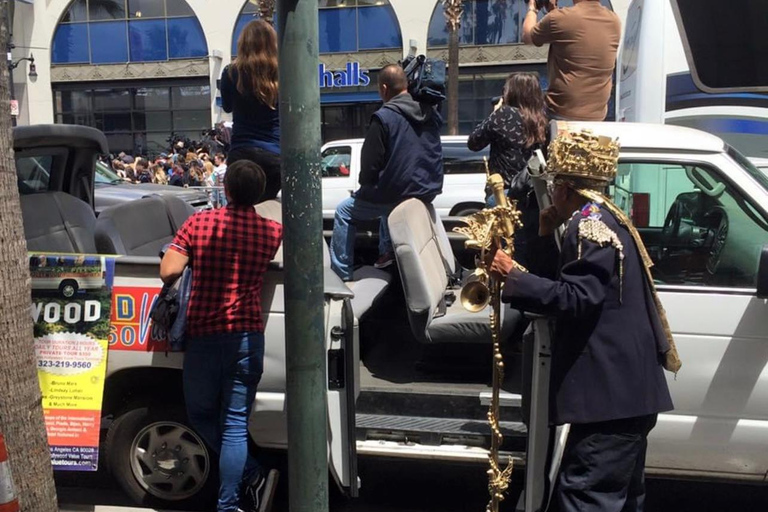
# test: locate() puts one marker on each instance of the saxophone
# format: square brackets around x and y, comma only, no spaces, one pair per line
[485,229]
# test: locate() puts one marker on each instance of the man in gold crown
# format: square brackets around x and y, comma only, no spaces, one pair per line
[611,340]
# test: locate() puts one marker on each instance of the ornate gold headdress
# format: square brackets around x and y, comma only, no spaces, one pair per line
[591,159]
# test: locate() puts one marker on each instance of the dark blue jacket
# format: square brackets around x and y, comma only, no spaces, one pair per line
[606,362]
[412,160]
[254,124]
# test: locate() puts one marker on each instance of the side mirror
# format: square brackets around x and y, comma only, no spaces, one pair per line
[762,274]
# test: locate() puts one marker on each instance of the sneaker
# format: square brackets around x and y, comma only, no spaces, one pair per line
[385,260]
[258,495]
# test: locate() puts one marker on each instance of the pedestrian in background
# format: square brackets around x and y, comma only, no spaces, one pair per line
[159,176]
[249,90]
[583,41]
[218,177]
[229,250]
[514,130]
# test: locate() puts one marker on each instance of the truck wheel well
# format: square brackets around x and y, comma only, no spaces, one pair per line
[141,385]
[462,209]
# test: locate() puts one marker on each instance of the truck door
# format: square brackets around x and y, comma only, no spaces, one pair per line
[705,230]
[545,444]
[343,362]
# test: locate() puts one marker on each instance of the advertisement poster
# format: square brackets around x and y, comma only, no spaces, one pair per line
[131,328]
[71,310]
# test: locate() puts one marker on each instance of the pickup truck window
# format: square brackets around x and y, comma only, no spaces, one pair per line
[336,162]
[33,173]
[697,227]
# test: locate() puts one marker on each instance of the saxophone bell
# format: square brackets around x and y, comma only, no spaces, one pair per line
[476,295]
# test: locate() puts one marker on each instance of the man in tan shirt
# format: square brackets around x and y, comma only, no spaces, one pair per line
[583,43]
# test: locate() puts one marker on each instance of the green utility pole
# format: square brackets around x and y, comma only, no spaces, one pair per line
[303,255]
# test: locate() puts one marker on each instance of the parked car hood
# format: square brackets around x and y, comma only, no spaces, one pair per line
[111,194]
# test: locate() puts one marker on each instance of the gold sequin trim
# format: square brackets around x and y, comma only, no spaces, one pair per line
[598,232]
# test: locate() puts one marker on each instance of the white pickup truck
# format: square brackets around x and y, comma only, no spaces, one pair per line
[408,369]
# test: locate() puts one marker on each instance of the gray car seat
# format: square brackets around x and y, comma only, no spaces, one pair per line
[58,222]
[420,241]
[368,284]
[142,227]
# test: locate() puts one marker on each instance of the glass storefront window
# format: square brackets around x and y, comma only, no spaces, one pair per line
[335,36]
[106,10]
[184,40]
[345,25]
[374,28]
[487,22]
[111,99]
[192,97]
[127,31]
[78,11]
[147,39]
[107,47]
[152,98]
[70,44]
[178,8]
[138,120]
[145,9]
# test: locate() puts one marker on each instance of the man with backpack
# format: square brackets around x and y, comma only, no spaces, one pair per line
[402,158]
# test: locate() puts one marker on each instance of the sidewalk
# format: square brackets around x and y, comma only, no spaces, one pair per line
[105,508]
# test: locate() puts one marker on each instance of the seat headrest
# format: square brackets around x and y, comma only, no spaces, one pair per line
[58,222]
[273,210]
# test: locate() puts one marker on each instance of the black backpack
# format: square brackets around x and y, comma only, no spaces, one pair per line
[426,79]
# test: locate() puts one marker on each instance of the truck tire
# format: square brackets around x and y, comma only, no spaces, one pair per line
[158,459]
[68,288]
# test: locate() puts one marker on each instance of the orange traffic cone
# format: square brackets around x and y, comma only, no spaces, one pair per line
[8,500]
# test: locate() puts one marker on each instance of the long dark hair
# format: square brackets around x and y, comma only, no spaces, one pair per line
[523,91]
[256,62]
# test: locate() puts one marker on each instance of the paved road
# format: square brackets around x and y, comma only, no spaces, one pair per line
[390,486]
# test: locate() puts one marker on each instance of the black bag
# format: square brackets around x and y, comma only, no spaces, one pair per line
[169,312]
[426,79]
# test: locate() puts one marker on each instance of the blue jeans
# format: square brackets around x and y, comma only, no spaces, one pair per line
[221,374]
[348,212]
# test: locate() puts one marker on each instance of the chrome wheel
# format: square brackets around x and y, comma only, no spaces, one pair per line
[68,291]
[169,460]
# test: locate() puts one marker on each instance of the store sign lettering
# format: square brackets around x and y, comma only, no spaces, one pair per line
[352,76]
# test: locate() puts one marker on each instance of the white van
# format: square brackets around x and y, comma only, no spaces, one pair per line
[463,188]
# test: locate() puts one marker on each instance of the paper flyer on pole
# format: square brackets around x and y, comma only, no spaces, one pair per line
[71,303]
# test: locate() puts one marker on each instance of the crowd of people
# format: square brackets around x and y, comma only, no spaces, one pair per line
[612,405]
[181,167]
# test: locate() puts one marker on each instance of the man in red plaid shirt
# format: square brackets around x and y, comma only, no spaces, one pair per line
[229,250]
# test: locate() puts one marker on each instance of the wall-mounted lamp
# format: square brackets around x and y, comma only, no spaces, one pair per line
[32,68]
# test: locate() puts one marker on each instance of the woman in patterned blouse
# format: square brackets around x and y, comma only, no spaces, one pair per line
[514,130]
[516,127]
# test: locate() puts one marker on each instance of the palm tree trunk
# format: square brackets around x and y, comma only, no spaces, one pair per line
[21,412]
[453,82]
[453,10]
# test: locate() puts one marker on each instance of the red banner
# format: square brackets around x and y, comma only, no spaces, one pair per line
[131,325]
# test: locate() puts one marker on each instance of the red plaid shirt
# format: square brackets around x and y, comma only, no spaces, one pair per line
[229,250]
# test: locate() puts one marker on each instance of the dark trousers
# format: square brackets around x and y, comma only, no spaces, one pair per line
[269,163]
[221,375]
[603,466]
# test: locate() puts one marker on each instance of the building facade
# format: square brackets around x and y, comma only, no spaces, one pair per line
[141,70]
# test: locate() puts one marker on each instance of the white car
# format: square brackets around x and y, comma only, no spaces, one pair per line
[463,187]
